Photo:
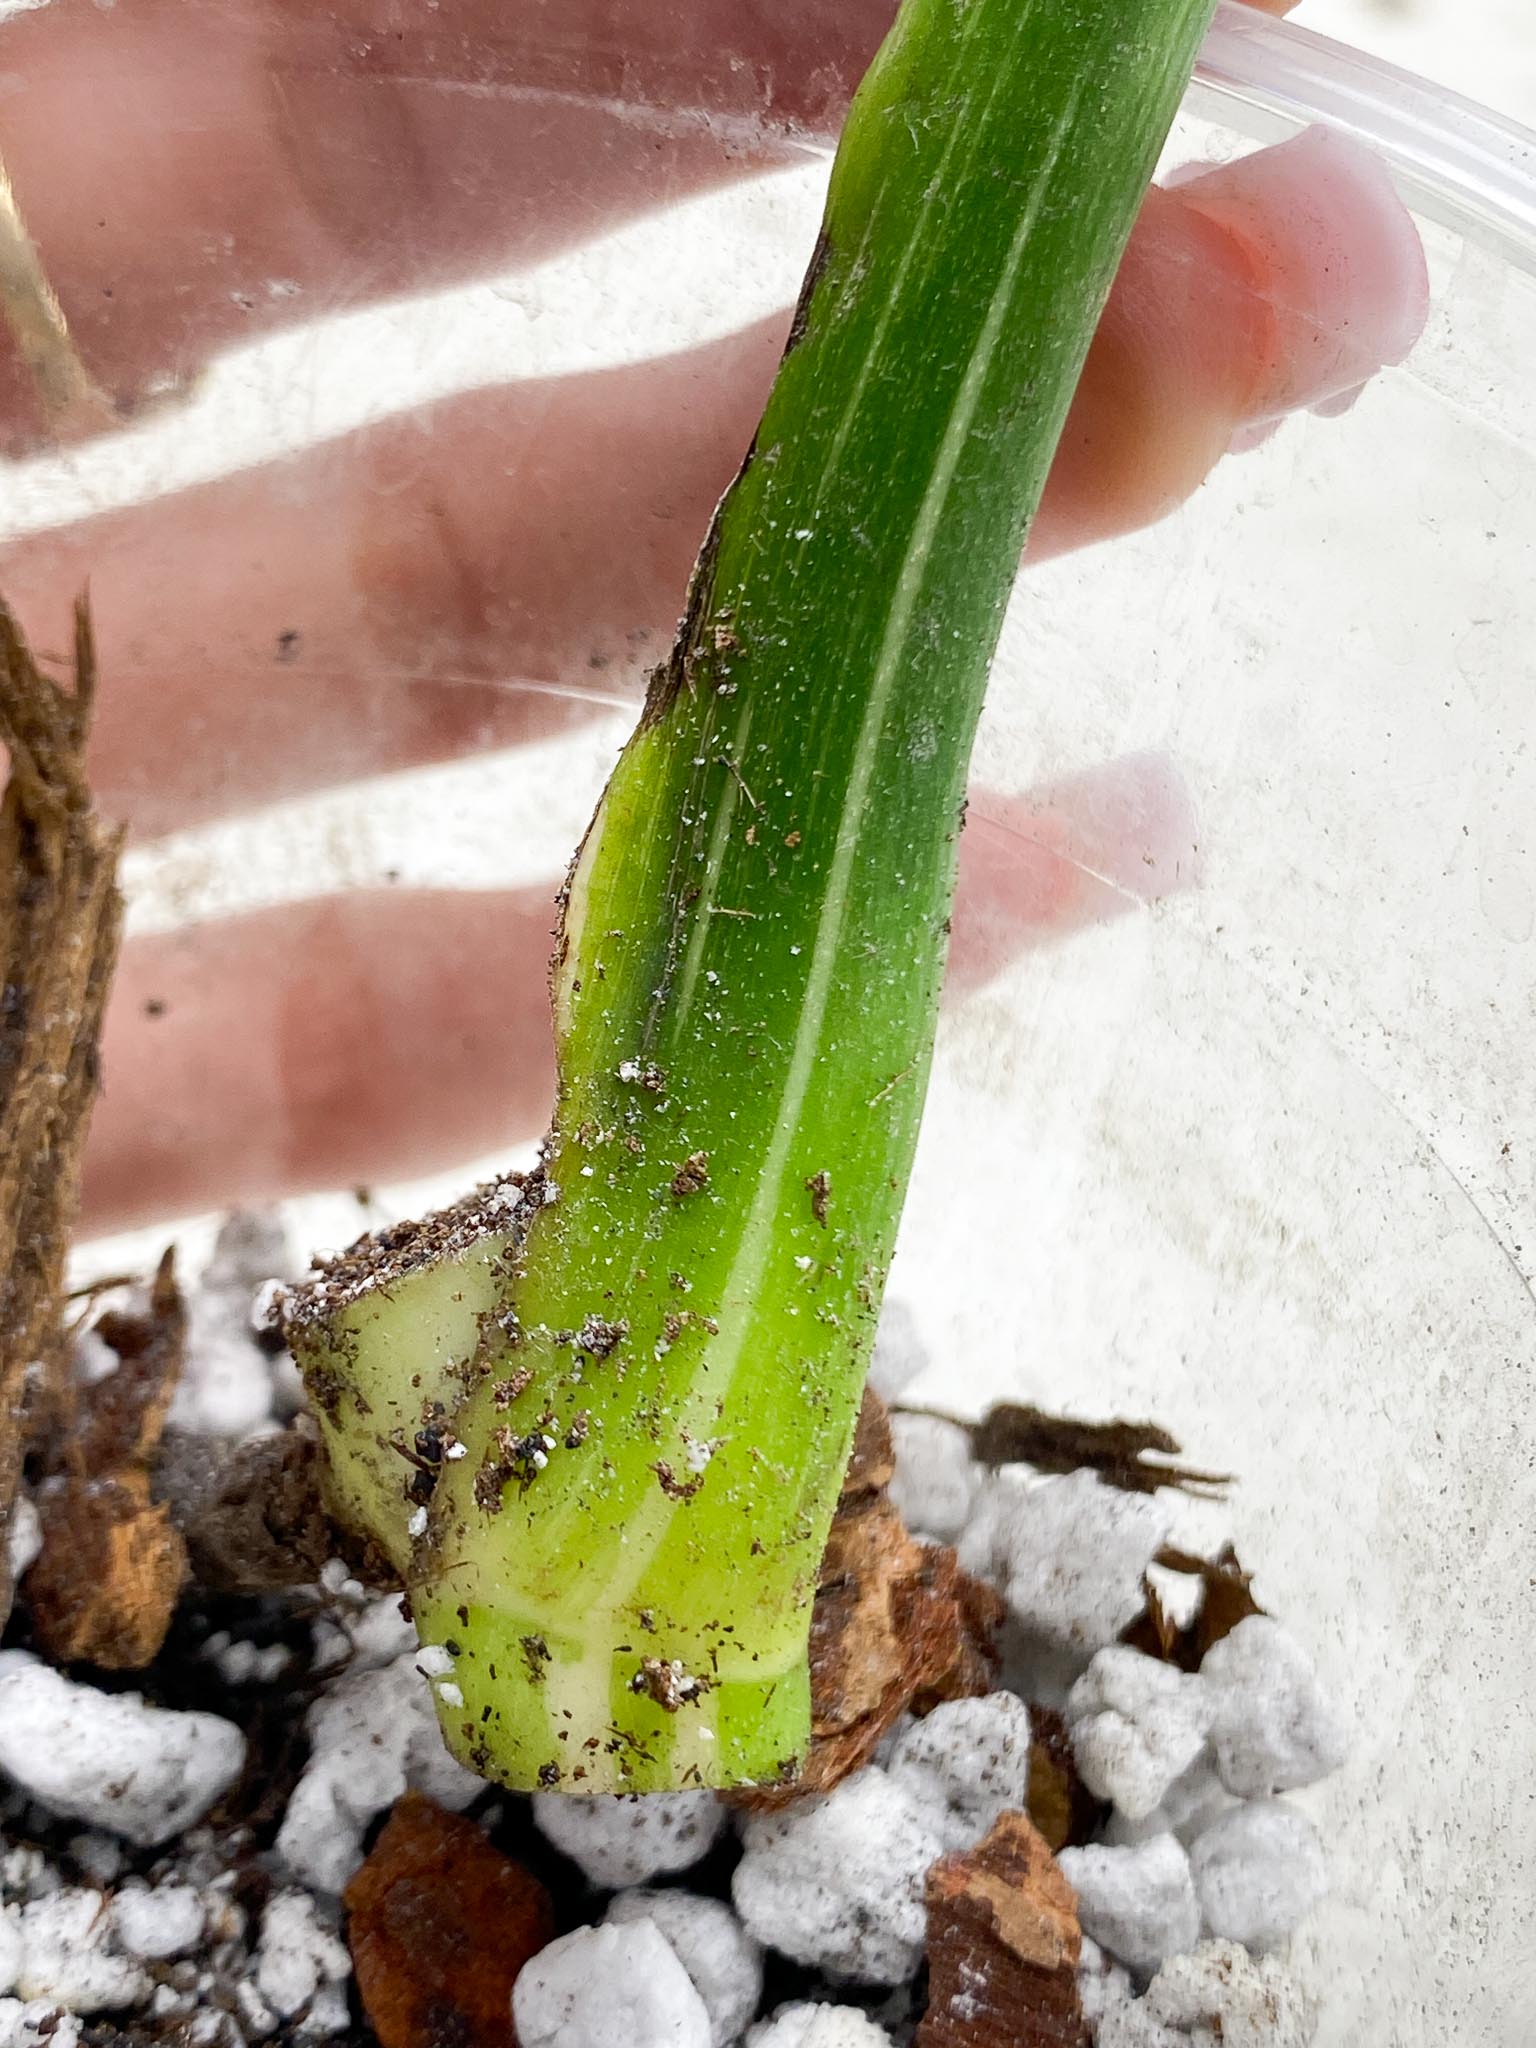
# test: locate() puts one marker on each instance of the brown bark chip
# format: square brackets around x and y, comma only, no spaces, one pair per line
[896,1624]
[60,918]
[1003,1947]
[1226,1598]
[1060,1804]
[441,1924]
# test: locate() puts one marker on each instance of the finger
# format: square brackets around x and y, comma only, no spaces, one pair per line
[191,180]
[383,1034]
[1071,854]
[1247,292]
[368,604]
[356,608]
[280,159]
[323,1045]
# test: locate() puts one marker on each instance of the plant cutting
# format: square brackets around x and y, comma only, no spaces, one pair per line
[598,1420]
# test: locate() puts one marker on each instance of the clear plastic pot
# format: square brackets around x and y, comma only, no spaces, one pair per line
[1252,1151]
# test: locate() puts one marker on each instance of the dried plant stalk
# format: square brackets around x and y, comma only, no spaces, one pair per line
[60,922]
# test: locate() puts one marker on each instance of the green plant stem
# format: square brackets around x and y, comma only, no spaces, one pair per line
[622,1567]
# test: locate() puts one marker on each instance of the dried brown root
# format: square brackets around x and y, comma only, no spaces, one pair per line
[1003,1945]
[60,920]
[112,1564]
[1016,1433]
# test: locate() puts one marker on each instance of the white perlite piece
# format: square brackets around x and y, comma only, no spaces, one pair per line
[226,1385]
[1102,1983]
[361,1631]
[724,1963]
[936,1478]
[372,1735]
[296,1955]
[1274,1728]
[25,1540]
[900,1354]
[25,1872]
[1137,1725]
[1138,1903]
[10,1948]
[1224,1997]
[818,2026]
[838,1881]
[1127,2023]
[626,1838]
[108,1758]
[36,2024]
[157,1925]
[1067,1553]
[609,1987]
[1191,1802]
[69,1956]
[1258,1872]
[967,1763]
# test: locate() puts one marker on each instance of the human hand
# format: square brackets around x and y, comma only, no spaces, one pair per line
[365,154]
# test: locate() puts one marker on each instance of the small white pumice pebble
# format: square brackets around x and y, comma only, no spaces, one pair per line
[967,1763]
[1258,1871]
[91,1356]
[160,1923]
[724,1963]
[1274,1727]
[1101,1982]
[626,1838]
[295,1954]
[1068,1554]
[25,1540]
[1137,1725]
[1126,2023]
[374,1633]
[838,1881]
[109,1759]
[256,2017]
[900,1354]
[372,1734]
[69,1956]
[327,2014]
[10,1947]
[818,2026]
[26,1873]
[608,1987]
[1138,1903]
[936,1478]
[1222,1996]
[1194,1799]
[225,1387]
[36,2023]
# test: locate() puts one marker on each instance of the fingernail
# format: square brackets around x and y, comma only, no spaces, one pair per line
[1336,254]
